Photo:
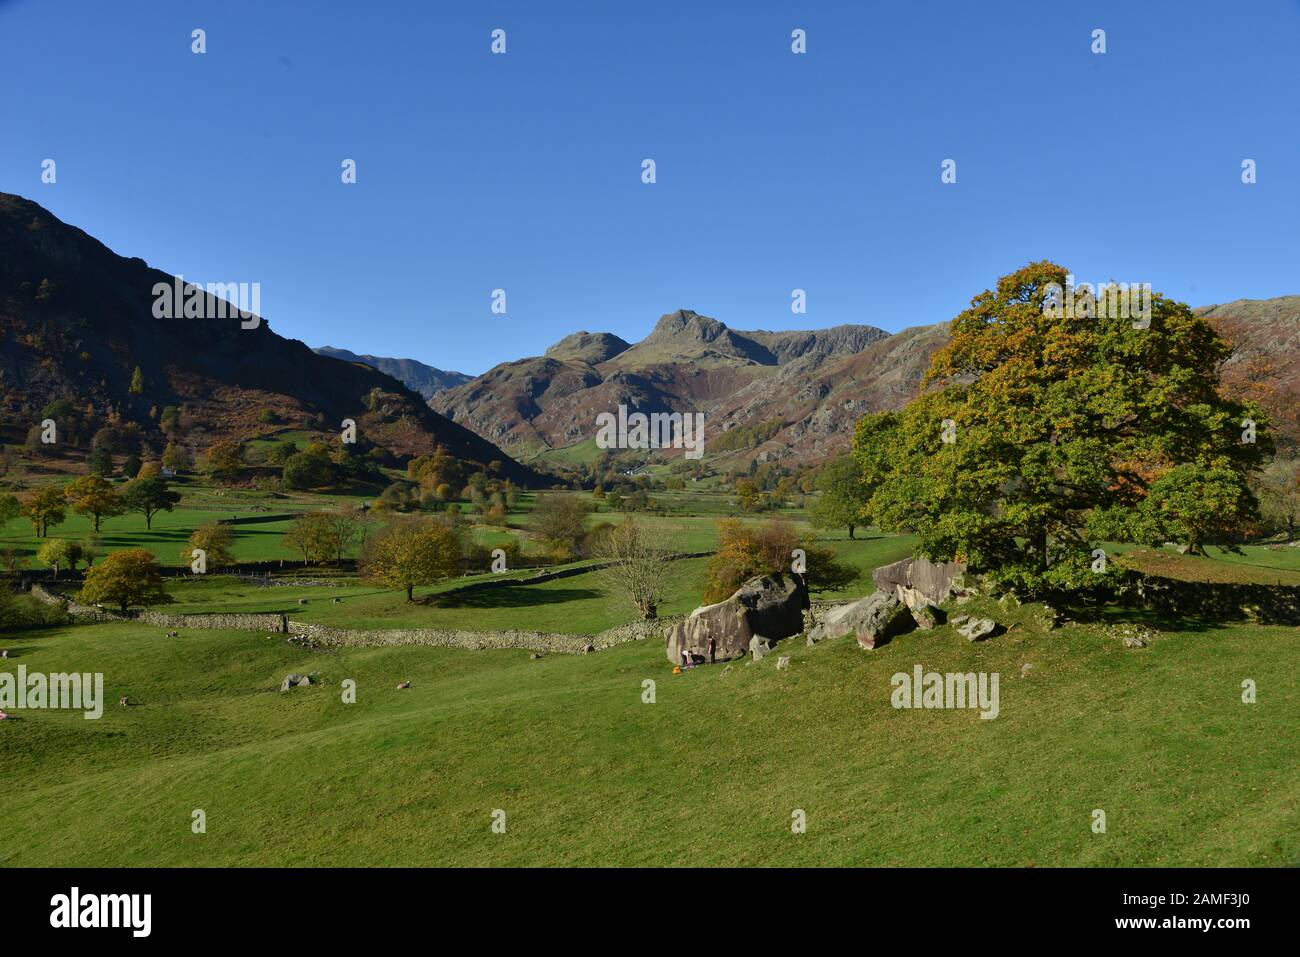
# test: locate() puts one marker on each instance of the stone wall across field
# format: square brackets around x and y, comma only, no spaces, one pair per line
[77,611]
[327,635]
[560,643]
[233,622]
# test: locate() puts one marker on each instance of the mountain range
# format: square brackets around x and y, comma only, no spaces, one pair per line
[791,394]
[417,376]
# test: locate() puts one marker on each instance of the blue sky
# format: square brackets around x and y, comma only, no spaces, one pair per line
[775,171]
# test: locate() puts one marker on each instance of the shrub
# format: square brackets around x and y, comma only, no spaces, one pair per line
[24,611]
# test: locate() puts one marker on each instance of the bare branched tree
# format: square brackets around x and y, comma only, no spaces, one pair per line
[639,572]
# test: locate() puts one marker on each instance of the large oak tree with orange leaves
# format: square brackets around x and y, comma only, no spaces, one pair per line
[1040,432]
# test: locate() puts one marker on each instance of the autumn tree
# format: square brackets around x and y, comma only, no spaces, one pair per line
[225,457]
[341,532]
[410,552]
[149,496]
[748,496]
[45,508]
[323,535]
[216,541]
[1041,430]
[94,496]
[748,550]
[126,578]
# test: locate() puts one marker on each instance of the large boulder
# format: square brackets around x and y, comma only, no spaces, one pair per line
[771,607]
[918,582]
[295,681]
[872,620]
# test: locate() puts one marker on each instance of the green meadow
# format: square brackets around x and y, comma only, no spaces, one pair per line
[588,773]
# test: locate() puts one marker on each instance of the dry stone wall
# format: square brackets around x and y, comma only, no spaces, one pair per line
[326,635]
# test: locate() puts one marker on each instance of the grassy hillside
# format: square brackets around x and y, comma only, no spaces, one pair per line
[709,774]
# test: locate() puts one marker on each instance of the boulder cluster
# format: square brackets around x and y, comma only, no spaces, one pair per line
[768,609]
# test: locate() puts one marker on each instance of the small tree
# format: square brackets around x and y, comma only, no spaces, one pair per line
[125,578]
[321,535]
[843,501]
[748,497]
[1279,494]
[13,560]
[44,509]
[363,522]
[410,552]
[10,508]
[92,495]
[1196,506]
[225,457]
[100,460]
[341,533]
[91,546]
[308,469]
[149,496]
[560,521]
[639,572]
[177,457]
[58,552]
[216,540]
[137,382]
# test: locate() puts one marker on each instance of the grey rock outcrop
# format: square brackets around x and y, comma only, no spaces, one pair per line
[771,607]
[919,581]
[295,681]
[872,620]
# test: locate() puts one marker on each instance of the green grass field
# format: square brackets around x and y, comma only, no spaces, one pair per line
[709,774]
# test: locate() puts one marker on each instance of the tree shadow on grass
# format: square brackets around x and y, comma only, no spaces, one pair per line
[508,596]
[1159,619]
[155,536]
